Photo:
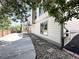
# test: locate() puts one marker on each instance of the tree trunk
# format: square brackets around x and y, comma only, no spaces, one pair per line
[21,27]
[7,30]
[62,38]
[33,16]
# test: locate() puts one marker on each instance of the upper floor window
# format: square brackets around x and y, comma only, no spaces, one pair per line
[41,11]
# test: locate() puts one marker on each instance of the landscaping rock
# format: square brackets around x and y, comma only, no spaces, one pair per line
[50,50]
[47,50]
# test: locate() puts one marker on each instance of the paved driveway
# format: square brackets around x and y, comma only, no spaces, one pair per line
[73,45]
[19,49]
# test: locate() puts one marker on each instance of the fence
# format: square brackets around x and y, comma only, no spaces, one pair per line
[5,32]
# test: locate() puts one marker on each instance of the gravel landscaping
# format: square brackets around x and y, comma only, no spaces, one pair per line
[46,50]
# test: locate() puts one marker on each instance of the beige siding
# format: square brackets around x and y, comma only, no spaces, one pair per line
[53,28]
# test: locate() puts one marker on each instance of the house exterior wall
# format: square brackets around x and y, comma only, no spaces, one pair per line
[54,31]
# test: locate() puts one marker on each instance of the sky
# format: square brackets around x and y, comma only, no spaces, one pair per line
[73,25]
[14,23]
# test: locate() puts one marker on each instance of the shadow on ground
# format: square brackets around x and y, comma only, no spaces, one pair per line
[73,45]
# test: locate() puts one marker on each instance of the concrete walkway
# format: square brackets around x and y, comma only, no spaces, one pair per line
[17,49]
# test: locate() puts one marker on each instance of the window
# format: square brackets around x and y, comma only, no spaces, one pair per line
[44,28]
[41,11]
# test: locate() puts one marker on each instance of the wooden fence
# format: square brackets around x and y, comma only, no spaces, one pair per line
[5,32]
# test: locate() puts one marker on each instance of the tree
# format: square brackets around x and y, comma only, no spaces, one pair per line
[57,9]
[63,11]
[19,6]
[15,6]
[33,4]
[1,26]
[7,23]
[4,23]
